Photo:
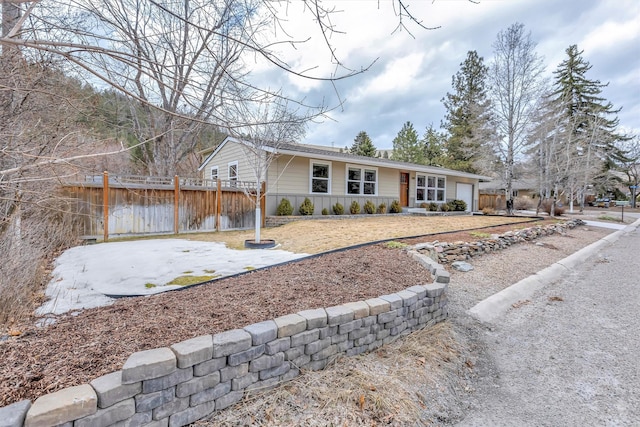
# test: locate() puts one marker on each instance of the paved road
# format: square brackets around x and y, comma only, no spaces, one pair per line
[570,357]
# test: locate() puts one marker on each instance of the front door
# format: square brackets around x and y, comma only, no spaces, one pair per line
[404,189]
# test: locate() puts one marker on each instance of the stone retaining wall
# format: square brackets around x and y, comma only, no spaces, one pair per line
[445,253]
[177,385]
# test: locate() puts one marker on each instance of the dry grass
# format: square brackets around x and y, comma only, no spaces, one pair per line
[321,235]
[386,387]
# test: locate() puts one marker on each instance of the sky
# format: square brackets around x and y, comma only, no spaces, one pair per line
[411,68]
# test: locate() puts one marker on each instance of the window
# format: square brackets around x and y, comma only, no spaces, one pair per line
[320,177]
[430,188]
[214,172]
[362,180]
[233,171]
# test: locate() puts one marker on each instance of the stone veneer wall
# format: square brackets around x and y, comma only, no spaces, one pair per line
[177,385]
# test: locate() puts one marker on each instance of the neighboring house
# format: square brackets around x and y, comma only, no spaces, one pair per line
[328,177]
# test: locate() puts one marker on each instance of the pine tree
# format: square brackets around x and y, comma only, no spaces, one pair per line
[406,146]
[468,120]
[363,146]
[589,116]
[432,146]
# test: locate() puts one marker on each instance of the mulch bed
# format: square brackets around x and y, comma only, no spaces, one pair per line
[81,347]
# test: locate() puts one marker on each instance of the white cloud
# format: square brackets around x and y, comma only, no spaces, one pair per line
[398,76]
[610,34]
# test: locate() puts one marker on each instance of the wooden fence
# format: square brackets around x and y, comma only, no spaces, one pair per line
[133,205]
[492,201]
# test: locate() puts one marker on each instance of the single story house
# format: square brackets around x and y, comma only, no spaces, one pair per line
[326,177]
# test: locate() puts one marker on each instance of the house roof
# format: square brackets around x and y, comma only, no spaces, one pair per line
[516,184]
[302,150]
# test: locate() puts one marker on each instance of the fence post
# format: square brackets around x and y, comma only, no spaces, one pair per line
[105,203]
[176,201]
[218,203]
[263,203]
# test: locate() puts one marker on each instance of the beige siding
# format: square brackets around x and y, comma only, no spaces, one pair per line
[230,152]
[389,183]
[289,174]
[292,176]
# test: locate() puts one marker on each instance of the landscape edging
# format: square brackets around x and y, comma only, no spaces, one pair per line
[187,381]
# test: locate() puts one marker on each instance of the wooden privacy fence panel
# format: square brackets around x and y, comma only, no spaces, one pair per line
[114,205]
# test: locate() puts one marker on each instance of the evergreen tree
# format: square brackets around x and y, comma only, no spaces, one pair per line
[589,116]
[363,146]
[432,146]
[468,120]
[406,146]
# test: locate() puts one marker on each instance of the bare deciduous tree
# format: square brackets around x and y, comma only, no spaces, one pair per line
[272,125]
[631,166]
[183,66]
[516,88]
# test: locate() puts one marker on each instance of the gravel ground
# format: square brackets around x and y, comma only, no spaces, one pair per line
[569,355]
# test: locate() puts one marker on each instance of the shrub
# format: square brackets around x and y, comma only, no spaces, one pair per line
[458,205]
[546,206]
[284,208]
[355,208]
[445,207]
[306,208]
[325,211]
[424,205]
[369,207]
[488,211]
[382,208]
[522,203]
[395,207]
[338,209]
[433,206]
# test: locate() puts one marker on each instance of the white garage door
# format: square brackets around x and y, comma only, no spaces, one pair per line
[465,192]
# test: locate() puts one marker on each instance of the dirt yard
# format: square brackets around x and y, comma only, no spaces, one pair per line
[316,236]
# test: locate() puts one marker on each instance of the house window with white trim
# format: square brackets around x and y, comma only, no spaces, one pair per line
[362,181]
[233,171]
[430,188]
[320,177]
[214,173]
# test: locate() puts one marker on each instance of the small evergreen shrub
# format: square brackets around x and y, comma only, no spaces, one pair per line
[433,206]
[458,205]
[306,208]
[354,208]
[395,207]
[445,207]
[338,209]
[325,211]
[382,208]
[369,207]
[424,205]
[284,208]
